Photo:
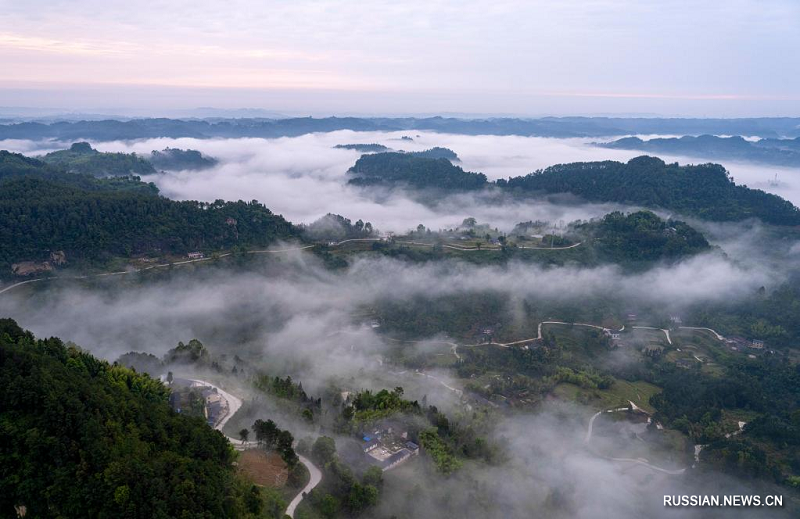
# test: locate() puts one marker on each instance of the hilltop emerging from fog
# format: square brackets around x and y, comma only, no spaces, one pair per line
[777,152]
[705,191]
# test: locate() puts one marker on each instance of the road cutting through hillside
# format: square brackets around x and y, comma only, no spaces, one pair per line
[234,403]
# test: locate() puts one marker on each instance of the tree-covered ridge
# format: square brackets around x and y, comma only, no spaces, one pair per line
[177,159]
[705,191]
[418,172]
[82,438]
[337,227]
[364,148]
[15,165]
[82,158]
[41,216]
[779,152]
[437,152]
[643,236]
[44,209]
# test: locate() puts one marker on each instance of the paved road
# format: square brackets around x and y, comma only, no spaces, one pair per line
[718,336]
[234,403]
[451,246]
[642,462]
[316,477]
[266,251]
[162,265]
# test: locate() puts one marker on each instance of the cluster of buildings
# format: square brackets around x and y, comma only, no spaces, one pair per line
[387,446]
[742,344]
[191,396]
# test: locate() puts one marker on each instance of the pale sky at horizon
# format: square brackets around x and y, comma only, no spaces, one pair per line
[670,57]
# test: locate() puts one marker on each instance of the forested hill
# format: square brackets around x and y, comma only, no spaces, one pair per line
[437,153]
[82,438]
[642,237]
[82,158]
[414,171]
[43,210]
[779,152]
[179,160]
[14,166]
[705,191]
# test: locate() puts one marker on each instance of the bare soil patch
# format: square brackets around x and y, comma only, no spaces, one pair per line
[263,468]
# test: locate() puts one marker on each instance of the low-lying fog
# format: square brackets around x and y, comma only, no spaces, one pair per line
[292,311]
[304,177]
[294,316]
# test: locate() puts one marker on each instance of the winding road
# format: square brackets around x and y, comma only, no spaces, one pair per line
[717,335]
[316,477]
[642,462]
[268,251]
[234,403]
[151,267]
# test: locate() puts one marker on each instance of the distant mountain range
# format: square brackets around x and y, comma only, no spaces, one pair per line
[108,130]
[776,152]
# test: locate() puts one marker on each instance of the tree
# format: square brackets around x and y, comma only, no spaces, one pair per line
[266,433]
[329,506]
[324,450]
[243,435]
[361,497]
[119,460]
[373,476]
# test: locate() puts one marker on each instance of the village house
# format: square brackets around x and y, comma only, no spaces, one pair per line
[387,446]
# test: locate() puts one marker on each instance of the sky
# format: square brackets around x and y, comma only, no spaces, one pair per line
[651,57]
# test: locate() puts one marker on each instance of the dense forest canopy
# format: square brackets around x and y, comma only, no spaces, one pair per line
[45,210]
[14,166]
[437,152]
[643,236]
[177,159]
[82,158]
[418,172]
[363,148]
[82,438]
[705,191]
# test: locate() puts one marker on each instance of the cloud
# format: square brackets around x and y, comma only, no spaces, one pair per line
[303,178]
[295,309]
